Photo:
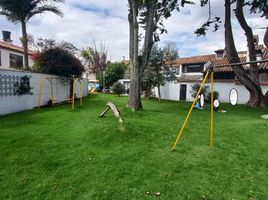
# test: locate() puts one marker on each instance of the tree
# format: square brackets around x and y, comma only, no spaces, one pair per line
[57,58]
[118,88]
[158,70]
[152,75]
[95,58]
[114,72]
[21,11]
[148,14]
[249,80]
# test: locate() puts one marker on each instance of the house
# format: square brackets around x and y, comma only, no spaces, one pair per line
[12,56]
[189,71]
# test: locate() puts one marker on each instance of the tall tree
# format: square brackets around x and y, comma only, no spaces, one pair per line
[148,14]
[249,80]
[95,58]
[21,11]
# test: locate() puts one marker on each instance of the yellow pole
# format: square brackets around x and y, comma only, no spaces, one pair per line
[189,113]
[51,91]
[73,93]
[81,93]
[41,90]
[212,109]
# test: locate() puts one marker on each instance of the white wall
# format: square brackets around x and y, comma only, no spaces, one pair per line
[5,64]
[171,91]
[11,104]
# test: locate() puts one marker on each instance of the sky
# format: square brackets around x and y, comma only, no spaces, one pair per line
[106,20]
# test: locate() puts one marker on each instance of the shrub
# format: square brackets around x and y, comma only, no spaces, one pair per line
[208,97]
[57,58]
[118,88]
[195,88]
[114,72]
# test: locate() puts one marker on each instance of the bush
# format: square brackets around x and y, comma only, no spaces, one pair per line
[114,72]
[208,97]
[57,58]
[59,62]
[118,88]
[195,88]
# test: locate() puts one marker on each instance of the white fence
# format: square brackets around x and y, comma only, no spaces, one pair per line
[171,91]
[10,103]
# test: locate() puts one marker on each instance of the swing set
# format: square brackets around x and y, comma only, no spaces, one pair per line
[211,73]
[54,99]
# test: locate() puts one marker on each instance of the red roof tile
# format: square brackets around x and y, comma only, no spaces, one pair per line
[224,61]
[13,47]
[194,59]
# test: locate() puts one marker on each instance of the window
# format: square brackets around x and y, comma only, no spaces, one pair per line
[15,61]
[193,68]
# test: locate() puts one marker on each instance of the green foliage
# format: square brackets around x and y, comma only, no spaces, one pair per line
[23,87]
[57,58]
[196,87]
[215,96]
[118,88]
[22,11]
[114,72]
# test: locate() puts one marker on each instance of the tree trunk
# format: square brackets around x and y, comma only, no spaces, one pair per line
[134,99]
[265,39]
[232,55]
[254,69]
[25,44]
[148,91]
[159,92]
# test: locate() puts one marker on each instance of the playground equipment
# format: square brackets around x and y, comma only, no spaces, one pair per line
[210,71]
[52,98]
[74,92]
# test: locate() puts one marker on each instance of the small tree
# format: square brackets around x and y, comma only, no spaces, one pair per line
[208,96]
[114,72]
[196,87]
[95,58]
[57,58]
[118,88]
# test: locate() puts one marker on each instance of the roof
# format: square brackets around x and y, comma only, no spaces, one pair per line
[12,47]
[224,61]
[194,59]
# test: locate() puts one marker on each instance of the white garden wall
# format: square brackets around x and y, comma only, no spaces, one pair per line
[61,91]
[171,91]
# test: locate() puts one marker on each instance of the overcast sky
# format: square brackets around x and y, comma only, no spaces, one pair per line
[107,20]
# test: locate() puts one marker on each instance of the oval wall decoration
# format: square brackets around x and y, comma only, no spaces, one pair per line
[216,103]
[233,96]
[202,100]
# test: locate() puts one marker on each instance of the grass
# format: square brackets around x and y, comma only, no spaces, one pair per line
[54,153]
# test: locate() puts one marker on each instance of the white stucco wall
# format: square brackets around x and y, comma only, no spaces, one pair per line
[5,64]
[171,91]
[11,104]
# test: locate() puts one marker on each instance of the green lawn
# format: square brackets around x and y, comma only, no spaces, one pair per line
[54,153]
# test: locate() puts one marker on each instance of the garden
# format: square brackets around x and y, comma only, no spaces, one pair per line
[56,153]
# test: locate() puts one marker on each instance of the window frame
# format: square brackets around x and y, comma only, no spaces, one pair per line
[16,55]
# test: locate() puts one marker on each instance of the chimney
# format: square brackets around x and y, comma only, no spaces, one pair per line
[7,36]
[220,53]
[256,39]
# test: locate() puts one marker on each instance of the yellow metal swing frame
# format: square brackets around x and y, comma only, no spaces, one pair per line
[191,109]
[53,99]
[74,91]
